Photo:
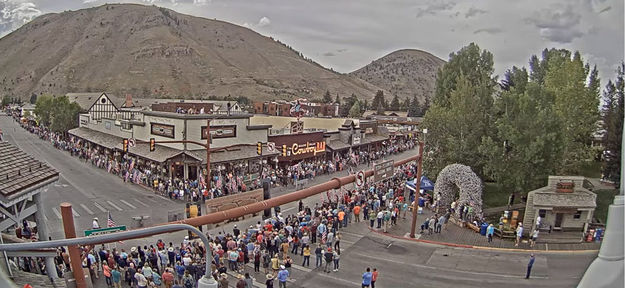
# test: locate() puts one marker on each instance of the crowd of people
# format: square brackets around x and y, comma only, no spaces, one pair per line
[223,182]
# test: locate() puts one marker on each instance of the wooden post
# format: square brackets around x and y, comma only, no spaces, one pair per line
[416,193]
[74,250]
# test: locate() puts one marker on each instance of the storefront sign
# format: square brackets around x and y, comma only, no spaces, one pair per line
[355,140]
[163,130]
[383,170]
[103,231]
[314,148]
[84,120]
[222,131]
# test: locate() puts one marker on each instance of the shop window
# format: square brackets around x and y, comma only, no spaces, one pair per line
[577,215]
[542,213]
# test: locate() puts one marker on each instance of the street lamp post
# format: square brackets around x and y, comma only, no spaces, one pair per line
[415,207]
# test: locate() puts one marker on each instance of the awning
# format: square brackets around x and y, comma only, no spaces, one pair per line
[241,152]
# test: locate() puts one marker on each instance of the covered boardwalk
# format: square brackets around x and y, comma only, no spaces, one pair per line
[23,179]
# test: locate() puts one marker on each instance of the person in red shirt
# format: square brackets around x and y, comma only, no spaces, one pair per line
[168,278]
[374,277]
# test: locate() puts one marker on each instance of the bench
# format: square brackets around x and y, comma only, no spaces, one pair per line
[472,227]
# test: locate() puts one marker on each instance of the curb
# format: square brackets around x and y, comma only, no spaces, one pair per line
[455,245]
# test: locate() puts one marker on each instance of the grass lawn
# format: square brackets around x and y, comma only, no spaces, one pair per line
[494,196]
[591,169]
[605,197]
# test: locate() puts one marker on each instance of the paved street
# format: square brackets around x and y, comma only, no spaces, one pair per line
[401,263]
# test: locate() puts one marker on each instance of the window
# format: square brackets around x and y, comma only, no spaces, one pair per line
[577,215]
[542,213]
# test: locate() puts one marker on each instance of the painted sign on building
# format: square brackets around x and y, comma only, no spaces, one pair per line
[221,131]
[162,130]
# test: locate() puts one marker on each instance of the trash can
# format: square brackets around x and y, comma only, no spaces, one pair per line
[483,229]
[599,234]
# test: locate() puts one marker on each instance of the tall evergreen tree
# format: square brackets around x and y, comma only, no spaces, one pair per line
[394,106]
[613,123]
[327,98]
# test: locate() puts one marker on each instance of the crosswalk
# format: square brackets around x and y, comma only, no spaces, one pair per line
[298,272]
[102,206]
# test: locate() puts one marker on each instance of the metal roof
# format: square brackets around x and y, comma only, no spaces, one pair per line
[20,173]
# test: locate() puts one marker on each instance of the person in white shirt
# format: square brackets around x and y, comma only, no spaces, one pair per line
[95,224]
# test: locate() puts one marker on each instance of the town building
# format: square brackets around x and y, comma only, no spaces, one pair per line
[283,108]
[108,121]
[563,205]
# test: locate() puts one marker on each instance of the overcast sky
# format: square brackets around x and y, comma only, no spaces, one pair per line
[346,35]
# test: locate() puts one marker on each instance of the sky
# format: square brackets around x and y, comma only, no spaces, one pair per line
[347,34]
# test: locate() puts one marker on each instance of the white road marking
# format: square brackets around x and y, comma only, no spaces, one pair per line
[130,205]
[57,212]
[447,269]
[99,207]
[114,206]
[139,201]
[151,200]
[75,213]
[86,209]
[45,217]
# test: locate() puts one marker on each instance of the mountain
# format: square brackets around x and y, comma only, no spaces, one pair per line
[153,52]
[403,73]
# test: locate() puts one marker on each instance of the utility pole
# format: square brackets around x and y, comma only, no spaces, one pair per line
[208,156]
[415,207]
[73,250]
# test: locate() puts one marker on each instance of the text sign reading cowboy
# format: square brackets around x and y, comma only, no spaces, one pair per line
[383,170]
[314,148]
[103,231]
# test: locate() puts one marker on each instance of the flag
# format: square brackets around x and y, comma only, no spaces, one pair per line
[110,222]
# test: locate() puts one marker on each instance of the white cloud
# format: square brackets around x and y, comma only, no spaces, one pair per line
[15,13]
[263,22]
[557,24]
[434,7]
[89,1]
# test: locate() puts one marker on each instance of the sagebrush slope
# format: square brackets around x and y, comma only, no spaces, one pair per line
[155,52]
[404,73]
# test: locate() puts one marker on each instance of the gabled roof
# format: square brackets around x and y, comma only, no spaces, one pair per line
[86,100]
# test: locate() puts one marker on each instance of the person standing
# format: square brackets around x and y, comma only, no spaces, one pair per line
[534,237]
[106,270]
[117,278]
[366,278]
[318,255]
[283,275]
[306,254]
[489,232]
[374,277]
[529,266]
[519,234]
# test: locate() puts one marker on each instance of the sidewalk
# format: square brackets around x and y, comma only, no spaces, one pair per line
[454,235]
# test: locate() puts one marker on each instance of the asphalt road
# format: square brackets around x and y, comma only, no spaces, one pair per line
[93,192]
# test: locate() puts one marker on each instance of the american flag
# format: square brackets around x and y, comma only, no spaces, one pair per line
[110,222]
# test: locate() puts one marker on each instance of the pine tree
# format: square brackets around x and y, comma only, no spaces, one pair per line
[327,98]
[337,100]
[613,123]
[394,106]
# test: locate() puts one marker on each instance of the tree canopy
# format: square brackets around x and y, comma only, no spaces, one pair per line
[57,113]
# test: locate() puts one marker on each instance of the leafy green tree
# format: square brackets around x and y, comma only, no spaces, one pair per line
[355,111]
[460,115]
[394,106]
[64,115]
[575,88]
[327,98]
[613,122]
[348,102]
[365,105]
[527,142]
[475,64]
[43,109]
[544,121]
